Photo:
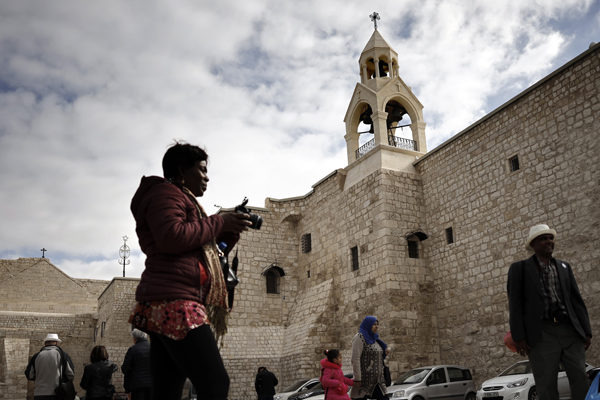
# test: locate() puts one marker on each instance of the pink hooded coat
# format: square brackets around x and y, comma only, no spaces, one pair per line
[334,382]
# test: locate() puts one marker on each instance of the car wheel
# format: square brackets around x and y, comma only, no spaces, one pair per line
[532,394]
[471,396]
[417,398]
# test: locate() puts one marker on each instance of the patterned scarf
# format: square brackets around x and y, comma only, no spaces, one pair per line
[216,302]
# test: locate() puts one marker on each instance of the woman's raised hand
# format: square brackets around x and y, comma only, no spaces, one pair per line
[235,222]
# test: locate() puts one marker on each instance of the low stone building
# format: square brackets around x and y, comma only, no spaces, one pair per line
[423,240]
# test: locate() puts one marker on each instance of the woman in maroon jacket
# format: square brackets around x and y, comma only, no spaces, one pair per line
[182,289]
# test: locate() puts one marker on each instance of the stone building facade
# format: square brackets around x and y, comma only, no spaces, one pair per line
[423,240]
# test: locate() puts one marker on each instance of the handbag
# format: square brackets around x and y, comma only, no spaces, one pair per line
[386,375]
[65,389]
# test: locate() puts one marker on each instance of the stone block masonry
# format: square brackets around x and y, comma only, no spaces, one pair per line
[536,159]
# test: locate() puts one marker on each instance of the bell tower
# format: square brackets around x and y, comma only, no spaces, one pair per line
[384,121]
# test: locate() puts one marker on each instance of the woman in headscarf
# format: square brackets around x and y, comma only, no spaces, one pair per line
[368,352]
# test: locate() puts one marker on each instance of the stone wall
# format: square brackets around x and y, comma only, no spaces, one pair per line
[13,361]
[61,293]
[447,306]
[22,335]
[112,329]
[375,215]
[553,128]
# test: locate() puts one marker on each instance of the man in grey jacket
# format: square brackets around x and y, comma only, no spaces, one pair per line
[45,368]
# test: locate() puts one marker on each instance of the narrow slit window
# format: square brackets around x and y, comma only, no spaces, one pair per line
[513,163]
[354,255]
[449,235]
[306,242]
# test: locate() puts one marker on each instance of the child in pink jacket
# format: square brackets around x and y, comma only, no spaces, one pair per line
[333,380]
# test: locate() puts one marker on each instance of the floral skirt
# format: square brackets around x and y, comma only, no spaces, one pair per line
[173,319]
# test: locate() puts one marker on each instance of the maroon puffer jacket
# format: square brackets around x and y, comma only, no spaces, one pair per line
[171,234]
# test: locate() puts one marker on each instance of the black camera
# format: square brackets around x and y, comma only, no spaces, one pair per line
[254,218]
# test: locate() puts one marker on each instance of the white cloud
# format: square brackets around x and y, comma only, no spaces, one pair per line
[92,94]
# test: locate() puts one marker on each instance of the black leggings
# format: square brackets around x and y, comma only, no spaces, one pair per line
[196,357]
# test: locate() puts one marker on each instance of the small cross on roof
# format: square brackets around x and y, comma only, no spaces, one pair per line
[375,17]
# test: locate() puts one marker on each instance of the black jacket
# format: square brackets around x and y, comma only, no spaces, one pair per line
[136,367]
[97,380]
[526,302]
[265,383]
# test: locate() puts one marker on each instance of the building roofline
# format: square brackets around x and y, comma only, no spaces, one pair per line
[593,48]
[117,278]
[332,173]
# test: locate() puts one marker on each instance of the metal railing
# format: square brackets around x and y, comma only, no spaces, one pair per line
[398,142]
[402,143]
[365,148]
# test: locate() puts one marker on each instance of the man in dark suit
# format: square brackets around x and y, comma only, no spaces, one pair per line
[548,318]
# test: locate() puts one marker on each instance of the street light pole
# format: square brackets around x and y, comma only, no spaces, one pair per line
[124,253]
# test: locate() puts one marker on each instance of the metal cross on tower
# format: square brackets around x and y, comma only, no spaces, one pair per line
[43,250]
[124,253]
[375,17]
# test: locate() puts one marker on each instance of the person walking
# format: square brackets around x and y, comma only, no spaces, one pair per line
[368,353]
[265,383]
[549,321]
[182,291]
[97,376]
[332,378]
[136,368]
[46,368]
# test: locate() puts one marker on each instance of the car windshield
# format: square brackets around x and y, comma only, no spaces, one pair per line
[413,376]
[517,369]
[313,388]
[295,386]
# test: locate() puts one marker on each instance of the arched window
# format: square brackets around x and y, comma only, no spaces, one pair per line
[413,246]
[413,241]
[273,274]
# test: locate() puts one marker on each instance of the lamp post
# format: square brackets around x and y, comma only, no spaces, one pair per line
[124,253]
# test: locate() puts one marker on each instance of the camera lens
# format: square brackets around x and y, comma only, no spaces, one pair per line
[256,221]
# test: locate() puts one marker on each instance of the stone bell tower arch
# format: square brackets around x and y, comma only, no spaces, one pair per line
[387,107]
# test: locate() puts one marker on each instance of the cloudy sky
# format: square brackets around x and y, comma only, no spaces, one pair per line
[93,93]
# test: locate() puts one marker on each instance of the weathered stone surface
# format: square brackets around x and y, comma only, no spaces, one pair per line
[449,305]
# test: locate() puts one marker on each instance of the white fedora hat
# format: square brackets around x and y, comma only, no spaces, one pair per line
[538,230]
[52,337]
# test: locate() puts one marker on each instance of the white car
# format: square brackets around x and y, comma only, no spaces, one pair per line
[296,387]
[441,382]
[516,383]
